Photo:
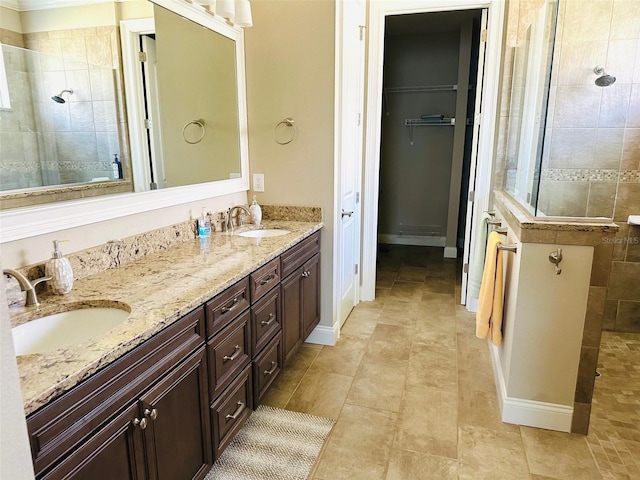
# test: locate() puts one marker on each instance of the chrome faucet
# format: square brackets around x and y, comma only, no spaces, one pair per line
[230,216]
[27,286]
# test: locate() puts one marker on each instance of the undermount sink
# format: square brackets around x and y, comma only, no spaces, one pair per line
[270,232]
[66,329]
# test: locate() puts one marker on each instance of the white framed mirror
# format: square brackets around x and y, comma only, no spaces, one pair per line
[35,220]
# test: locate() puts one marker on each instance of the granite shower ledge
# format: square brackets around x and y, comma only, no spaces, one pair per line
[530,229]
[159,288]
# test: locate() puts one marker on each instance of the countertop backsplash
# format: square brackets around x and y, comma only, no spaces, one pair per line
[118,252]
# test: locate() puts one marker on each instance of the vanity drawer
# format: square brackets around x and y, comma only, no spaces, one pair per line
[266,320]
[229,352]
[231,410]
[296,256]
[264,279]
[226,306]
[266,367]
[61,425]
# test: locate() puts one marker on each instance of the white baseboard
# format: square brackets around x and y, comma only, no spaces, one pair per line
[324,335]
[450,252]
[411,240]
[519,411]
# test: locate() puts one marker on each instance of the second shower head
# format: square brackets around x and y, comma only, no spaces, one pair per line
[58,98]
[603,80]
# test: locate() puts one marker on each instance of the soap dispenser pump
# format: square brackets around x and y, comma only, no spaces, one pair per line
[60,271]
[255,211]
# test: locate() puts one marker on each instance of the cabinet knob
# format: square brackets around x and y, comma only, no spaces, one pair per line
[153,413]
[140,423]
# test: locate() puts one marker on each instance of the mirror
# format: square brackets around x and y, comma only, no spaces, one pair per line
[76,121]
[528,110]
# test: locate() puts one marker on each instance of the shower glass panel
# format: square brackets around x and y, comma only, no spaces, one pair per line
[531,80]
[62,124]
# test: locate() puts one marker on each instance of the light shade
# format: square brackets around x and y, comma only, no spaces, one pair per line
[243,13]
[226,9]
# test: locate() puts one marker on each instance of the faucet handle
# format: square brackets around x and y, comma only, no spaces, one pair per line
[40,280]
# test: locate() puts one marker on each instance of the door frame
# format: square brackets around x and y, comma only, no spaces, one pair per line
[379,9]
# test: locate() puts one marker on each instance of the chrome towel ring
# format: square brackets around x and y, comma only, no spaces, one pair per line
[200,123]
[289,122]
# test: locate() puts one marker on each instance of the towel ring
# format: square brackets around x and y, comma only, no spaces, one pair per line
[289,122]
[200,123]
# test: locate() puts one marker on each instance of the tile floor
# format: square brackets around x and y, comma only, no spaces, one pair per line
[411,389]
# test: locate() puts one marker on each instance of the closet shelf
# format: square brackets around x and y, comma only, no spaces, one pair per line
[426,88]
[418,122]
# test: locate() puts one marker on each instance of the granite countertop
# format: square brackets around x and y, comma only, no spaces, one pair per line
[159,289]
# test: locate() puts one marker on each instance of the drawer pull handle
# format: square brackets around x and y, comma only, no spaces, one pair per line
[306,273]
[140,423]
[266,280]
[234,355]
[237,413]
[264,323]
[233,305]
[274,367]
[153,413]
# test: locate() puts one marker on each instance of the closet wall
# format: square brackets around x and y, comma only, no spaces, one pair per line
[421,74]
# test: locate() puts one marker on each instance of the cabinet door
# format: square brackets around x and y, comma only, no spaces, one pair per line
[310,295]
[116,451]
[178,433]
[291,313]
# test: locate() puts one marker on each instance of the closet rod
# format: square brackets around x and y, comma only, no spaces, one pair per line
[417,122]
[420,89]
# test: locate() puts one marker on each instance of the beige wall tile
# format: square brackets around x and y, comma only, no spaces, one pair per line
[577,106]
[587,20]
[625,19]
[594,317]
[623,282]
[627,202]
[628,319]
[581,416]
[631,149]
[621,55]
[586,374]
[601,266]
[577,60]
[613,114]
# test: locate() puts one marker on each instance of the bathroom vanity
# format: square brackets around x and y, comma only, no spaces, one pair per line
[164,394]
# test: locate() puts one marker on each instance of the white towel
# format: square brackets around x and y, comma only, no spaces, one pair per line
[477,262]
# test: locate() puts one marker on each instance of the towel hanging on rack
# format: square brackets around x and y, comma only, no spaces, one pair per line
[490,301]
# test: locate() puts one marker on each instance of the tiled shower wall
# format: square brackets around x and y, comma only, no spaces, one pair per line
[591,165]
[72,142]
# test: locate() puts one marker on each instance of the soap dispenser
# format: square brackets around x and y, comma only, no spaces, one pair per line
[256,212]
[60,271]
[204,224]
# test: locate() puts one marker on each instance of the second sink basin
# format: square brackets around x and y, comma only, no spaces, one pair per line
[267,232]
[65,329]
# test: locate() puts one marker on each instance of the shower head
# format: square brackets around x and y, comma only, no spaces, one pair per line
[58,98]
[603,80]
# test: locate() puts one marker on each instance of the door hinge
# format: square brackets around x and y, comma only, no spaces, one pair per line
[147,123]
[356,268]
[362,30]
[359,118]
[483,36]
[472,194]
[465,268]
[142,56]
[357,197]
[153,186]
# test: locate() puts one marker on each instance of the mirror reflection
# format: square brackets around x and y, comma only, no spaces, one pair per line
[63,118]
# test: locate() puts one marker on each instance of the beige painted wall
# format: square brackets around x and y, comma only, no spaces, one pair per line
[290,73]
[10,19]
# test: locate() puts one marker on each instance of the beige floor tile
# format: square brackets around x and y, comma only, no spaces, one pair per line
[491,454]
[411,465]
[359,446]
[411,274]
[360,324]
[378,386]
[435,323]
[436,307]
[385,278]
[428,422]
[434,338]
[343,358]
[291,376]
[399,313]
[406,291]
[439,285]
[475,372]
[433,366]
[559,455]
[276,398]
[481,409]
[320,393]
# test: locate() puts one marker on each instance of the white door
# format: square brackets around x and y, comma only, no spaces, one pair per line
[150,69]
[474,159]
[352,58]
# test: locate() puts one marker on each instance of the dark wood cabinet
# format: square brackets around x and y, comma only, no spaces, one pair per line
[169,407]
[106,413]
[300,293]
